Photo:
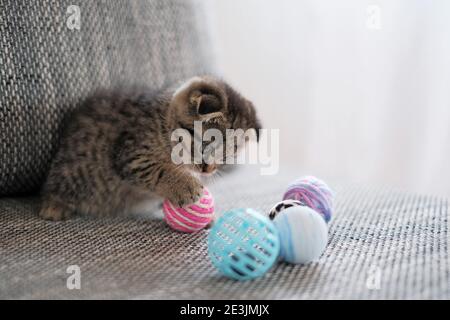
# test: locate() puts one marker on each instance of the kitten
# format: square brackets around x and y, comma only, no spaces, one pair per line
[116,150]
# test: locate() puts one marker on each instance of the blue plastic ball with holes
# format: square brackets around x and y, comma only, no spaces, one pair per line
[243,244]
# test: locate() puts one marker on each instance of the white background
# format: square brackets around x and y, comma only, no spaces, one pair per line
[358,95]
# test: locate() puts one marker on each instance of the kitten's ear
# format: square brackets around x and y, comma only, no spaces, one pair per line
[205,103]
[202,98]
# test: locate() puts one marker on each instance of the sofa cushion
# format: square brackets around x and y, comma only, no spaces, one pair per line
[48,66]
[383,244]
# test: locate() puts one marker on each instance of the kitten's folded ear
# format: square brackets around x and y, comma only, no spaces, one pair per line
[203,97]
[205,103]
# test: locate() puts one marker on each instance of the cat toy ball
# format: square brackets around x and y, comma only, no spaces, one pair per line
[313,193]
[191,218]
[282,205]
[243,244]
[303,234]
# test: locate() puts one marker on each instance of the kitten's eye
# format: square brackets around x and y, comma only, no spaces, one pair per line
[190,130]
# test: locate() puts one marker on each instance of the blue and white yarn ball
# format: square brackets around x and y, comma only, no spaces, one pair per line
[303,234]
[314,193]
[282,205]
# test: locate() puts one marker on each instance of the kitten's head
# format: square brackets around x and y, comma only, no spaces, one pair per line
[215,105]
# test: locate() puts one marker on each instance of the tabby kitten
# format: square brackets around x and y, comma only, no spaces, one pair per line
[116,151]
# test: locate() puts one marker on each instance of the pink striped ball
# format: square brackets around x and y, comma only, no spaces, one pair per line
[191,218]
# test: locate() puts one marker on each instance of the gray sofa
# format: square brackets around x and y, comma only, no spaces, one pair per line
[383,243]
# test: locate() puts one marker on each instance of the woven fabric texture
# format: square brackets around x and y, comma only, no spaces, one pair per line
[47,68]
[383,244]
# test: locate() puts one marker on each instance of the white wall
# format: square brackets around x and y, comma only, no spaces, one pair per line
[352,102]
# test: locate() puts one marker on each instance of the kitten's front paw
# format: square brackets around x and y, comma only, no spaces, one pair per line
[185,192]
[53,212]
